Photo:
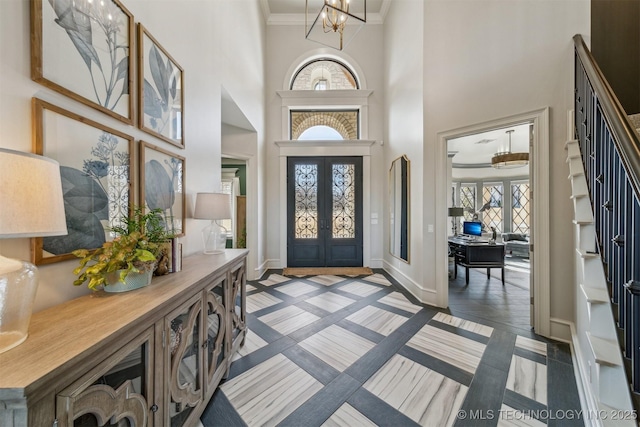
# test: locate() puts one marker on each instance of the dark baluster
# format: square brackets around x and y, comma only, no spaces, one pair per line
[633,287]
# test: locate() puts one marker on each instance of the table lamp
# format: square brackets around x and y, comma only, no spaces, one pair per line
[455,213]
[214,207]
[31,205]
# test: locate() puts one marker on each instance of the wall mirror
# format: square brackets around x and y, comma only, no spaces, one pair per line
[399,208]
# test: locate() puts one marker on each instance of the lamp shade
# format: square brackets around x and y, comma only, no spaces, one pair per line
[212,206]
[455,211]
[31,195]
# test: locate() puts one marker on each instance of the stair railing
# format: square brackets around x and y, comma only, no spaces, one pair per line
[610,150]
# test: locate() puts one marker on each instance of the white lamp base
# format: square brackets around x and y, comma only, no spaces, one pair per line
[214,237]
[18,285]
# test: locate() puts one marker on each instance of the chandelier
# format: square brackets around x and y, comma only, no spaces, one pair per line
[337,22]
[507,159]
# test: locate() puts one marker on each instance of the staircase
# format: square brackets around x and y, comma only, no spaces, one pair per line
[604,169]
[601,362]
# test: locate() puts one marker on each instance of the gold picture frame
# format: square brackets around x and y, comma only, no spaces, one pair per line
[162,185]
[160,91]
[96,170]
[83,50]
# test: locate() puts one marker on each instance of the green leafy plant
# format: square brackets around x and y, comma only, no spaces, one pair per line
[138,244]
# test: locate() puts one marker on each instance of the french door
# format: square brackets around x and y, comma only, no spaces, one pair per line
[324,211]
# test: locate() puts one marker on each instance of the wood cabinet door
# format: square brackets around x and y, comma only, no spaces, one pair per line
[183,362]
[118,391]
[217,346]
[237,305]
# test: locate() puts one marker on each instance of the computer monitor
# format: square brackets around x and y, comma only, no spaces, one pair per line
[472,228]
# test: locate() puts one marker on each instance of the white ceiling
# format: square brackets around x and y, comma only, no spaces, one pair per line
[292,11]
[476,150]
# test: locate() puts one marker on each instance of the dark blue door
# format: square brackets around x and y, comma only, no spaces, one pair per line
[324,212]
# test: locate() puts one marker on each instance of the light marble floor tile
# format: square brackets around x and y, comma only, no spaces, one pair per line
[464,324]
[423,395]
[397,300]
[531,345]
[327,279]
[251,288]
[251,343]
[510,417]
[377,319]
[348,416]
[274,279]
[267,393]
[296,289]
[378,278]
[528,378]
[337,346]
[361,289]
[330,301]
[289,319]
[446,346]
[261,300]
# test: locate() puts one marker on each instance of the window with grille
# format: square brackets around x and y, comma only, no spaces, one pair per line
[468,200]
[227,188]
[520,208]
[492,207]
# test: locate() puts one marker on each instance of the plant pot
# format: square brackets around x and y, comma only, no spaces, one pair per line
[132,281]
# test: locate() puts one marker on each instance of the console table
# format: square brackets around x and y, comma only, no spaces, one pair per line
[476,254]
[152,357]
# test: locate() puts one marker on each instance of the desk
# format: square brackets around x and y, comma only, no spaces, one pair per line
[476,254]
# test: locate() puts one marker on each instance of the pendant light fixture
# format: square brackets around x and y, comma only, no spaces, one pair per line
[507,159]
[337,22]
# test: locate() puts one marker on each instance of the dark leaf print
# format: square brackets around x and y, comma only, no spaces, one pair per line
[85,204]
[159,74]
[78,26]
[158,191]
[152,102]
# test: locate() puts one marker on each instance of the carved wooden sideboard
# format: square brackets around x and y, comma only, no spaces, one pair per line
[153,356]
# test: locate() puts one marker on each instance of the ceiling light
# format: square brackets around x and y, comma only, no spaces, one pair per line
[336,23]
[507,159]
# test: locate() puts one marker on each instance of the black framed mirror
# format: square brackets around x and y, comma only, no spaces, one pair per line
[399,204]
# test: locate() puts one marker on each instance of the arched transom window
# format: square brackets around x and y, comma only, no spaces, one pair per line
[324,124]
[324,74]
[314,124]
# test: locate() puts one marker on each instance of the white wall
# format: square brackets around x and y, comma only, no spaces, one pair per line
[404,118]
[216,43]
[286,48]
[484,60]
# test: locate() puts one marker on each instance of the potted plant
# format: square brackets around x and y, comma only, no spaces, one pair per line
[127,261]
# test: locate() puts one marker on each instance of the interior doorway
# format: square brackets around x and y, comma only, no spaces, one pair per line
[537,300]
[491,211]
[324,212]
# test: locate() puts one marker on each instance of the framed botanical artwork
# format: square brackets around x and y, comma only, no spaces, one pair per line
[162,185]
[160,91]
[95,168]
[82,49]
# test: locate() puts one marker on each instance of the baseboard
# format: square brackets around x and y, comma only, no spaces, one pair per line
[588,401]
[377,263]
[425,296]
[560,330]
[261,269]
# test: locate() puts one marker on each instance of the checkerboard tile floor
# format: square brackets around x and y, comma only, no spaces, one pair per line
[361,351]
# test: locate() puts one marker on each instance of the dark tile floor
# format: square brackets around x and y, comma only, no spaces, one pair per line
[489,302]
[361,351]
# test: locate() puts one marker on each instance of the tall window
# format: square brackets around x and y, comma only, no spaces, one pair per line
[492,207]
[468,200]
[520,208]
